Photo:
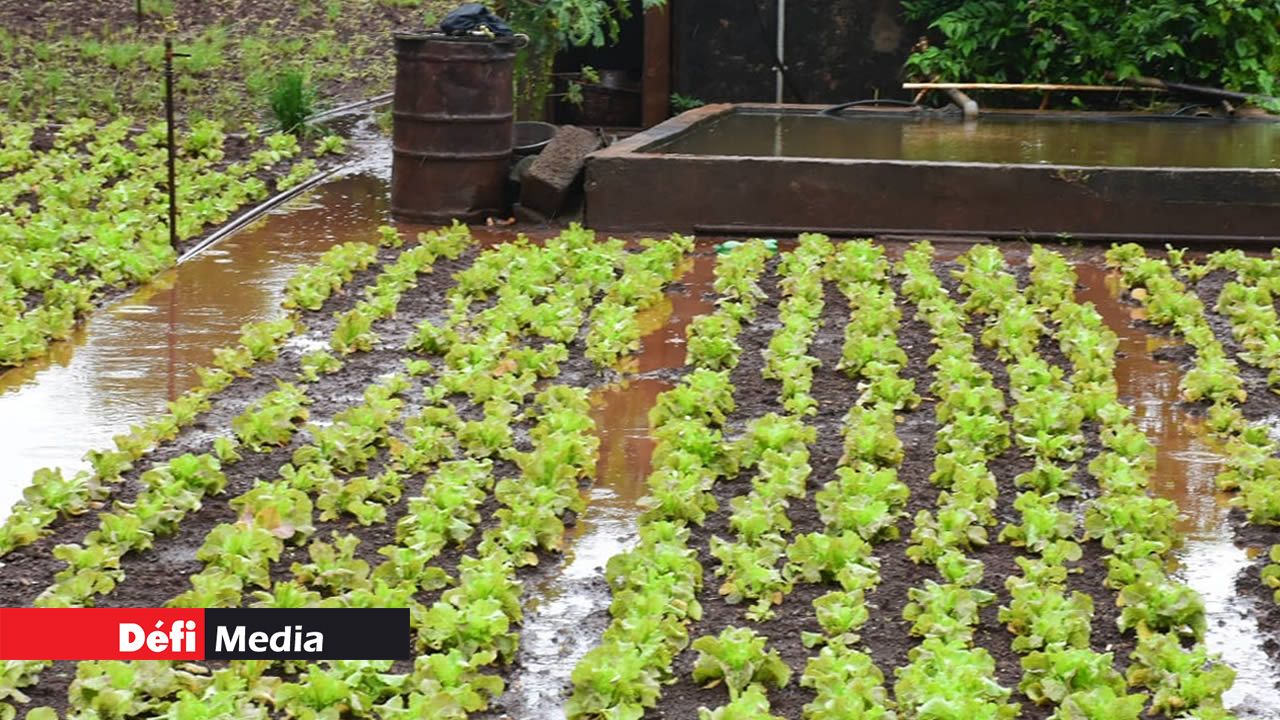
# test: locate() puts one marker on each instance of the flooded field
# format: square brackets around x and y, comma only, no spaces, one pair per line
[134,356]
[568,611]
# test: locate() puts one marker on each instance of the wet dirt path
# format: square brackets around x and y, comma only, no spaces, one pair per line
[567,612]
[1186,464]
[130,358]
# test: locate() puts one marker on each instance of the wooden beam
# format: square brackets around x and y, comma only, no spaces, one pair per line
[655,89]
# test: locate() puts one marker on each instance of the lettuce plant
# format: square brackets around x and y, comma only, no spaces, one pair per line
[1183,680]
[1103,703]
[737,657]
[1050,675]
[949,612]
[752,704]
[710,342]
[846,683]
[751,573]
[613,680]
[948,679]
[1043,616]
[448,686]
[845,559]
[333,565]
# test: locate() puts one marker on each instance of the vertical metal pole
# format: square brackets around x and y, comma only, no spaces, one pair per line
[782,49]
[137,14]
[168,117]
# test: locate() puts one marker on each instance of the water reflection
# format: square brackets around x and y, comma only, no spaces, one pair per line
[1147,142]
[130,358]
[664,348]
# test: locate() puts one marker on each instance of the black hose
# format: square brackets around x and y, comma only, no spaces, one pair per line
[837,109]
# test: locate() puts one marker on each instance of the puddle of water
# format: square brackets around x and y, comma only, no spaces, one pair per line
[664,348]
[1186,465]
[370,148]
[567,611]
[1211,567]
[1142,142]
[1186,460]
[127,360]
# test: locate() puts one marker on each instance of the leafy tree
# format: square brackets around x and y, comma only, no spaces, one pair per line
[1233,43]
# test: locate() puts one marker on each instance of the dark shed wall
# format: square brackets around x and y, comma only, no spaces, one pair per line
[837,50]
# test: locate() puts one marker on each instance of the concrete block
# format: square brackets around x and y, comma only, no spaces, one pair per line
[554,176]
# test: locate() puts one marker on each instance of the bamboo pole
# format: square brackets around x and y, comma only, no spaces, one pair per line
[1030,87]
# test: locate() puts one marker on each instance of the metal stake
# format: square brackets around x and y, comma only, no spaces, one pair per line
[168,117]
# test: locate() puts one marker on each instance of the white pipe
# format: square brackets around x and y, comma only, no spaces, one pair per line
[966,103]
[782,47]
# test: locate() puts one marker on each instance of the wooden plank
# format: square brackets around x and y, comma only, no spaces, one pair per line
[655,91]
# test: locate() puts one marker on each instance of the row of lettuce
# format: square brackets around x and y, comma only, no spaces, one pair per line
[1249,333]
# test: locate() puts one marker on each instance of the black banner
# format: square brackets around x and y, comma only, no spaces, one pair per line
[308,634]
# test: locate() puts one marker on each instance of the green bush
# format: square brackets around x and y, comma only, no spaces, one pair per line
[553,26]
[1230,43]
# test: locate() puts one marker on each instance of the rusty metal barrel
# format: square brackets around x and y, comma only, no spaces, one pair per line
[452,127]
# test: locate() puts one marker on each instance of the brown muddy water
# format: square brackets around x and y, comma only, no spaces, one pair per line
[130,358]
[1146,142]
[1186,465]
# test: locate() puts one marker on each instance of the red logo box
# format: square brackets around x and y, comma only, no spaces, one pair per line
[101,634]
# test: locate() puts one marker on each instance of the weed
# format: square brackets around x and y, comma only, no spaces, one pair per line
[292,101]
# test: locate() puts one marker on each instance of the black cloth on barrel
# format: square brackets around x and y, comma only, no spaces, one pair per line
[471,17]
